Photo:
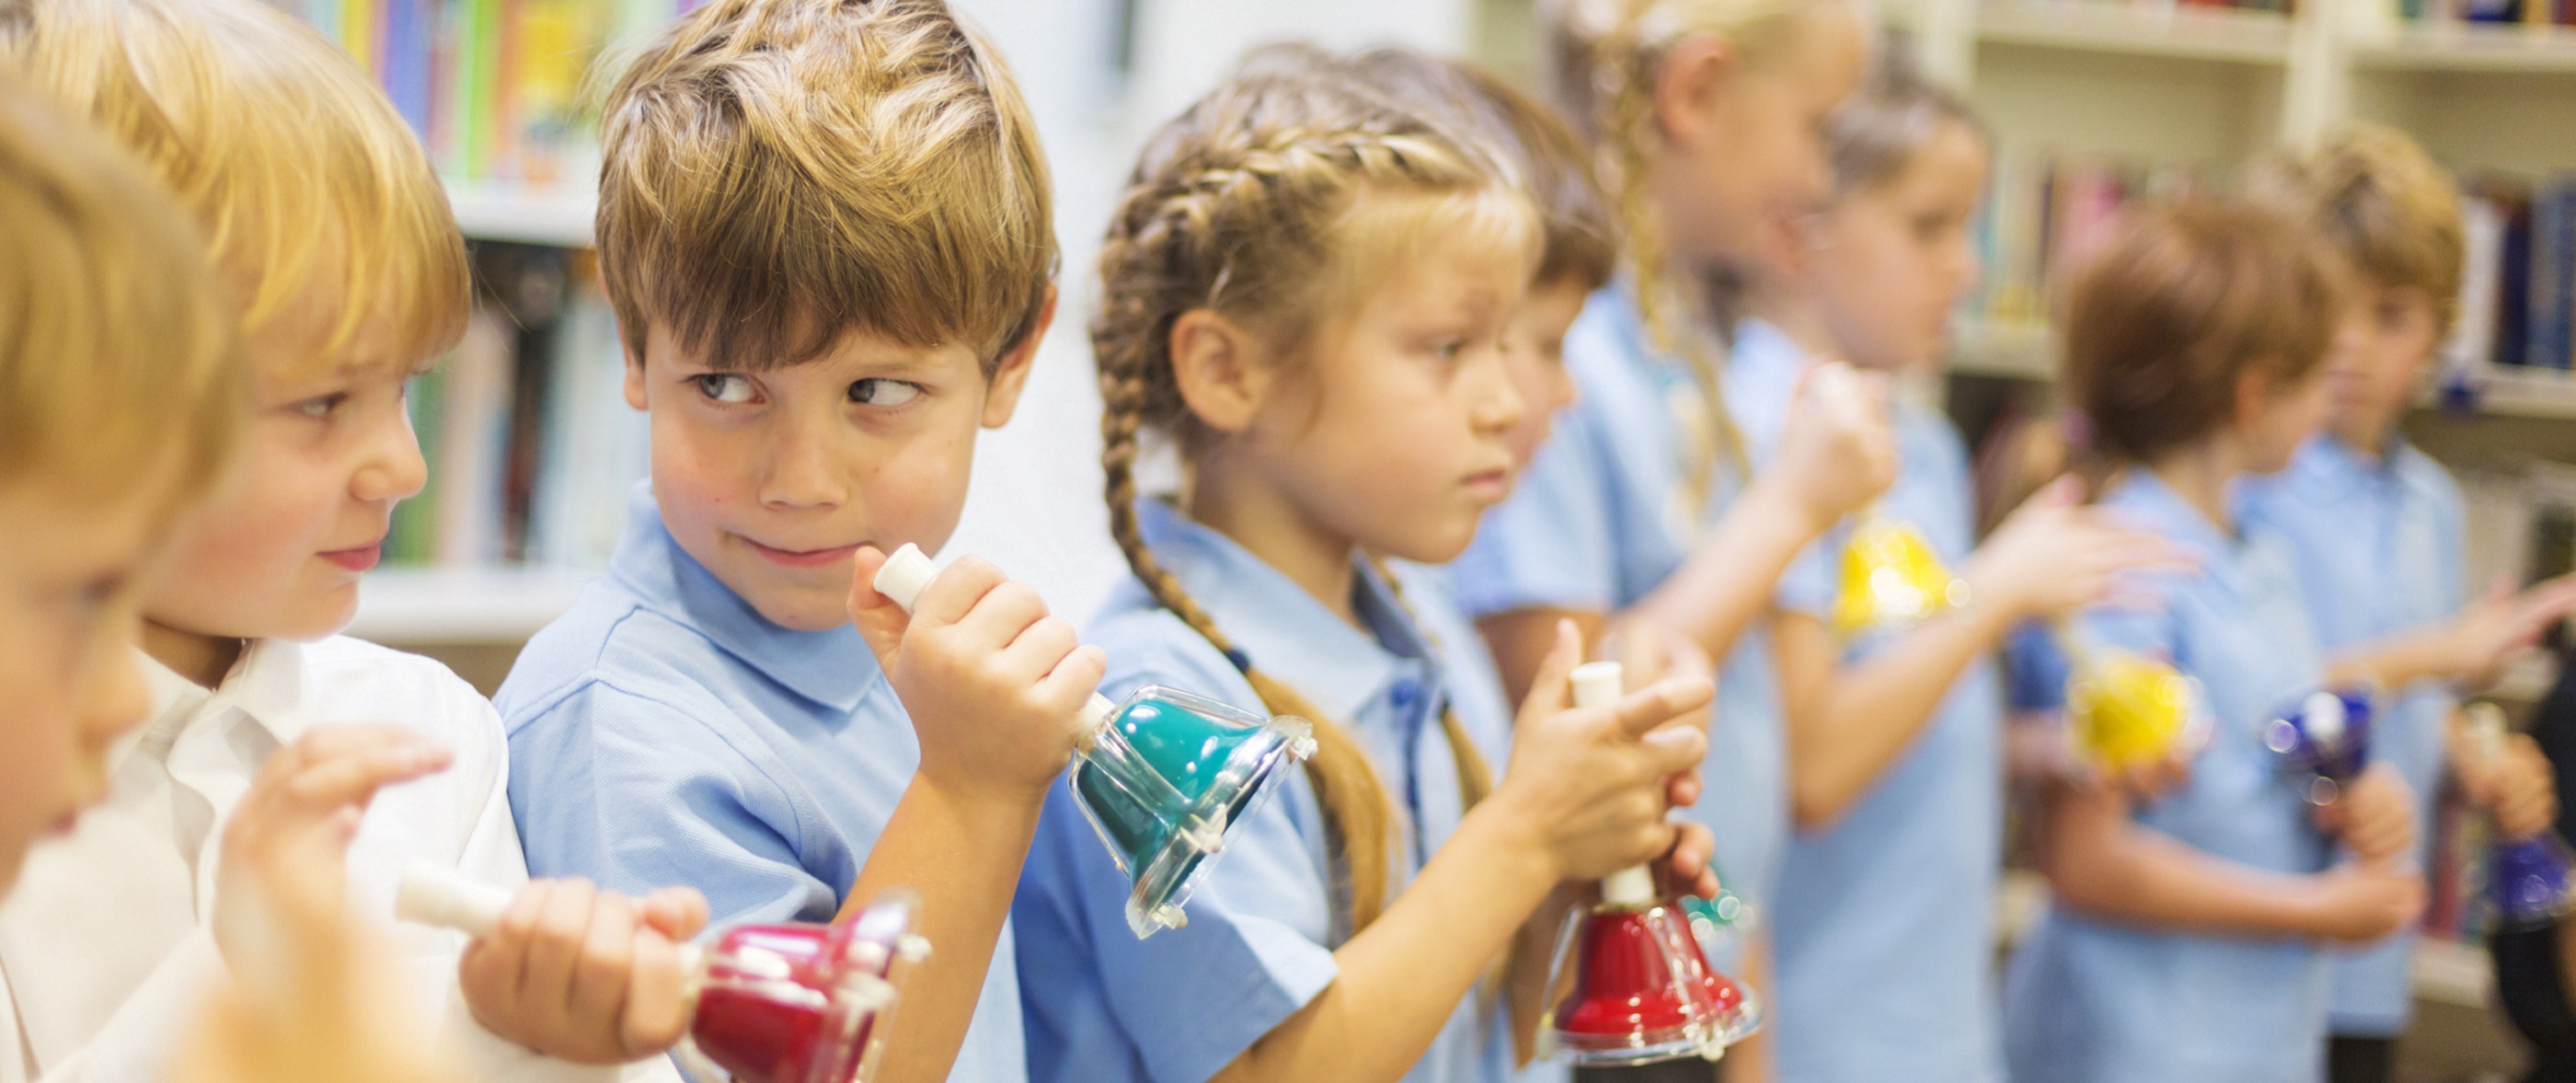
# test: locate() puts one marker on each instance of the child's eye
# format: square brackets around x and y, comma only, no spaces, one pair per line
[883,392]
[725,387]
[320,407]
[1450,349]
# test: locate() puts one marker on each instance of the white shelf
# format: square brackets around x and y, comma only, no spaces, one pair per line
[2243,37]
[2511,391]
[2012,351]
[2459,46]
[498,211]
[2451,972]
[462,605]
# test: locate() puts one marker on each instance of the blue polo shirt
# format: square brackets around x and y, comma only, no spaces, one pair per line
[2096,1001]
[1599,520]
[1884,970]
[1179,1006]
[2378,539]
[663,732]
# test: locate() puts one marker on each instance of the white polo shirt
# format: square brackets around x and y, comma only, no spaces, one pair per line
[105,947]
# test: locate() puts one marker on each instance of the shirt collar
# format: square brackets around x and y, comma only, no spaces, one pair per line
[2148,500]
[1283,630]
[832,668]
[266,685]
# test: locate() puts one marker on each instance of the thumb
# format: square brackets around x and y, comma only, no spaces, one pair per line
[676,912]
[2064,492]
[881,622]
[1549,690]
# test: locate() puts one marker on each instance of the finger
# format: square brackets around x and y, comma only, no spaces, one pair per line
[881,622]
[1003,614]
[554,951]
[1674,749]
[1683,790]
[2065,492]
[352,778]
[1692,847]
[657,1006]
[1076,678]
[955,591]
[603,967]
[507,944]
[676,912]
[1665,701]
[1041,647]
[1551,690]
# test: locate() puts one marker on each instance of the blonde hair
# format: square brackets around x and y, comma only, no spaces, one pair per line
[1275,201]
[301,175]
[117,354]
[2385,205]
[779,173]
[1606,55]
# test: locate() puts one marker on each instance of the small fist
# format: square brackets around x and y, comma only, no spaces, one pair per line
[584,975]
[2375,816]
[1837,449]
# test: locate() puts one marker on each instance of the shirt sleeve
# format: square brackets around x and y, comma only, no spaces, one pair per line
[138,1041]
[1551,544]
[636,793]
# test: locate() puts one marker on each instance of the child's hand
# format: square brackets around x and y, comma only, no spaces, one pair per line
[303,807]
[2361,901]
[1685,870]
[2375,815]
[2053,556]
[1591,783]
[2475,645]
[1647,651]
[587,976]
[1837,450]
[2137,783]
[994,685]
[2517,786]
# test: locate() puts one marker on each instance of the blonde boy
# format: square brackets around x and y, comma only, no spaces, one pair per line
[825,230]
[347,276]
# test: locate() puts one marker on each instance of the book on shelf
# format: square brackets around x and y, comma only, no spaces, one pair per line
[2522,12]
[2045,211]
[495,88]
[532,449]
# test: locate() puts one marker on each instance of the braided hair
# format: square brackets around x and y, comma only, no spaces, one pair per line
[1239,206]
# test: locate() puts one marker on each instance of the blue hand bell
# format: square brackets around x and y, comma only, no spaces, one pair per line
[2325,734]
[2528,880]
[1161,777]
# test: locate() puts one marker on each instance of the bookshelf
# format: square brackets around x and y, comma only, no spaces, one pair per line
[2211,34]
[557,214]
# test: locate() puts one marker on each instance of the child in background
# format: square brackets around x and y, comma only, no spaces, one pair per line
[1636,520]
[1895,742]
[825,231]
[336,240]
[2185,938]
[2375,528]
[1307,287]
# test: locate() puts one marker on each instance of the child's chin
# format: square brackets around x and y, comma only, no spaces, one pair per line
[799,610]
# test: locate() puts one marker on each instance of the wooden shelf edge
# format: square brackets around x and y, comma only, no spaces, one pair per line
[2472,47]
[2243,37]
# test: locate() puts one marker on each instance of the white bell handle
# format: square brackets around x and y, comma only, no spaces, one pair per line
[441,897]
[1600,684]
[908,571]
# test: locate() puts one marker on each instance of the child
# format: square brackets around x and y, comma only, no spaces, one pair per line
[825,231]
[2375,526]
[2184,943]
[1636,521]
[335,239]
[1307,290]
[1895,743]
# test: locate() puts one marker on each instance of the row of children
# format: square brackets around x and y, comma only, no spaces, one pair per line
[1353,296]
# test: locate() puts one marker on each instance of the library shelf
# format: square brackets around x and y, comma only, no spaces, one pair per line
[2002,349]
[2241,37]
[2448,46]
[558,215]
[495,604]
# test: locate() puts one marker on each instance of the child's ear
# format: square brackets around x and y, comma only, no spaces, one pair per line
[1218,367]
[2254,392]
[1011,373]
[634,351]
[1693,73]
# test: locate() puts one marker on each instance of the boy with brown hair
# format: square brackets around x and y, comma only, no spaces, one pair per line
[825,230]
[2376,525]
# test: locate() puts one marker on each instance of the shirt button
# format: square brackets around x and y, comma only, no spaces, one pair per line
[1406,690]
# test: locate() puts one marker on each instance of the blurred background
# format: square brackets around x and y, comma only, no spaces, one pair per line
[2094,103]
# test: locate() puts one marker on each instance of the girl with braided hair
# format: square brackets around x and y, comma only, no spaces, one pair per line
[1645,519]
[1305,293]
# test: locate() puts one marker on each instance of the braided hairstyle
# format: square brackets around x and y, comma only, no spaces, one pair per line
[1243,205]
[1606,54]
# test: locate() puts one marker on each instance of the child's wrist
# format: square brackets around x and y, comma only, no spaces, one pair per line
[974,802]
[1517,837]
[1783,499]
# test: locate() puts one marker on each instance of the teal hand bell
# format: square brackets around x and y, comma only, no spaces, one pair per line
[1161,776]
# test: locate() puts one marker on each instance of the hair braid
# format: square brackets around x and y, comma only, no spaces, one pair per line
[1239,206]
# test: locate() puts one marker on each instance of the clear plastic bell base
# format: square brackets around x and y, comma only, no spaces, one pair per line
[2125,710]
[1891,578]
[1165,780]
[2529,883]
[2325,734]
[800,1002]
[1638,990]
